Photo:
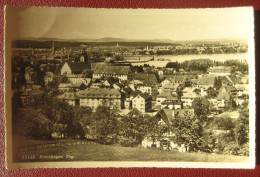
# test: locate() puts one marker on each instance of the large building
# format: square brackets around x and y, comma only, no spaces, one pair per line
[120,72]
[74,68]
[94,97]
[220,71]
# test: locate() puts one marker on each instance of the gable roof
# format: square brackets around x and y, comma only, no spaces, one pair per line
[99,93]
[68,96]
[164,94]
[144,96]
[229,88]
[189,95]
[104,69]
[225,96]
[226,80]
[144,76]
[208,80]
[78,67]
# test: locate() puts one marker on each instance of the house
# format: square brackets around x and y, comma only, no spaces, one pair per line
[142,102]
[94,97]
[206,81]
[219,71]
[226,80]
[207,91]
[74,67]
[71,87]
[96,83]
[154,87]
[70,97]
[231,90]
[187,98]
[223,99]
[49,76]
[120,72]
[31,96]
[144,89]
[145,77]
[171,103]
[183,80]
[174,89]
[242,89]
[163,96]
[168,81]
[191,89]
[78,78]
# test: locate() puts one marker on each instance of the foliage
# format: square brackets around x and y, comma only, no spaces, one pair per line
[208,141]
[242,126]
[37,125]
[104,125]
[133,128]
[201,109]
[222,123]
[188,130]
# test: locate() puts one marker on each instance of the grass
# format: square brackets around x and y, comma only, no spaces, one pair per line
[98,152]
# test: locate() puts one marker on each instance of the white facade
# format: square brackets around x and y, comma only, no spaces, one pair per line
[65,69]
[95,102]
[145,89]
[139,103]
[119,76]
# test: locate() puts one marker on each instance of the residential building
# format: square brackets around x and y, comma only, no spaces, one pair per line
[231,90]
[121,72]
[223,100]
[187,98]
[142,102]
[70,97]
[94,97]
[145,77]
[206,81]
[220,71]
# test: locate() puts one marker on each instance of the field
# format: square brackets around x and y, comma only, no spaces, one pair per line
[98,152]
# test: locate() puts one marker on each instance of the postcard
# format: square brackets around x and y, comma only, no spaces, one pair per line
[88,87]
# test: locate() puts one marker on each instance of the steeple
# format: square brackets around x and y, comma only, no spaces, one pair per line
[53,49]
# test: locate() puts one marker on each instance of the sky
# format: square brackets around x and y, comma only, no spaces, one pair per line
[173,24]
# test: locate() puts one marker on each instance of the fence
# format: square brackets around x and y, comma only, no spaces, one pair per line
[55,144]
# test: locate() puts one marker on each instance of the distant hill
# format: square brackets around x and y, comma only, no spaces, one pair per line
[47,42]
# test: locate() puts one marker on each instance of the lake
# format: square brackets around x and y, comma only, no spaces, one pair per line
[182,58]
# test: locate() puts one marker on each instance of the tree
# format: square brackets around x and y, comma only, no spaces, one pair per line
[242,126]
[133,128]
[201,109]
[104,125]
[37,125]
[188,130]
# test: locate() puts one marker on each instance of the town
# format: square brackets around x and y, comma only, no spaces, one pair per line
[119,79]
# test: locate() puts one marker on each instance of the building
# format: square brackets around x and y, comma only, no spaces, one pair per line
[220,71]
[70,97]
[78,78]
[145,77]
[142,102]
[231,90]
[94,97]
[120,72]
[74,68]
[174,89]
[206,81]
[48,78]
[223,100]
[187,98]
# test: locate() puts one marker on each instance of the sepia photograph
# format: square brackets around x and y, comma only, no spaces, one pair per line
[87,87]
